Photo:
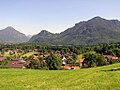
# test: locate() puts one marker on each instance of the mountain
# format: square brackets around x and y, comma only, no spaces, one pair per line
[44,37]
[10,35]
[94,31]
[29,36]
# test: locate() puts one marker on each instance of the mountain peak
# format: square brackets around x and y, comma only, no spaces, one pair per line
[94,31]
[9,27]
[44,32]
[97,18]
[10,35]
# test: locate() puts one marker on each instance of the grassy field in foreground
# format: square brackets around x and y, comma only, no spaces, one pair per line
[100,78]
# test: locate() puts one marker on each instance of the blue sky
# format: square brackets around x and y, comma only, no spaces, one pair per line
[32,16]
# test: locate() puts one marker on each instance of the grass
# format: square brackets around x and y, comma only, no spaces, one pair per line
[28,54]
[6,54]
[99,78]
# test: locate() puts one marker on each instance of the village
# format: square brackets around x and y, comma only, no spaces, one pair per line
[16,58]
[36,59]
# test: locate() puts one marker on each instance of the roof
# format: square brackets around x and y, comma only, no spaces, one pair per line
[16,64]
[35,58]
[2,58]
[67,67]
[110,56]
[63,58]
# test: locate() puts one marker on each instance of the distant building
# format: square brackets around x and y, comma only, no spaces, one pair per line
[111,57]
[68,67]
[16,63]
[2,58]
[81,62]
[64,61]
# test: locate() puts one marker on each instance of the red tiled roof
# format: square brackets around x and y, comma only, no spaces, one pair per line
[35,58]
[110,56]
[16,64]
[67,67]
[2,58]
[114,58]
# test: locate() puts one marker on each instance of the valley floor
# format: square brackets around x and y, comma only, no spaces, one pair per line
[99,78]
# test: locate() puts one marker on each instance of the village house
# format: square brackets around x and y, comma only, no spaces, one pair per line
[30,50]
[68,67]
[64,61]
[2,58]
[81,62]
[35,50]
[36,54]
[46,54]
[16,63]
[1,55]
[58,54]
[10,51]
[35,58]
[111,57]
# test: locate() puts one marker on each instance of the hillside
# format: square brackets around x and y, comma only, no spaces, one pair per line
[100,78]
[10,35]
[94,31]
[44,37]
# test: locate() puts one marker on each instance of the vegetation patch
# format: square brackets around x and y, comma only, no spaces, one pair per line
[84,79]
[113,69]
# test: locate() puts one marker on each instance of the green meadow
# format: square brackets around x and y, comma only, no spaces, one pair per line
[28,54]
[99,78]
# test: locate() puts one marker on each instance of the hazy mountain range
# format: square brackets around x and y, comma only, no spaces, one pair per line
[10,35]
[94,31]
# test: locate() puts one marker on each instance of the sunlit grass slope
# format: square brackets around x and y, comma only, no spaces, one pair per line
[100,78]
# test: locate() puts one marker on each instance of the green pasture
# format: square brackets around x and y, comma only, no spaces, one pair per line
[99,78]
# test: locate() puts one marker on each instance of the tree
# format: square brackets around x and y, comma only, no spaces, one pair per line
[34,64]
[90,58]
[53,62]
[3,63]
[100,60]
[74,56]
[94,59]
